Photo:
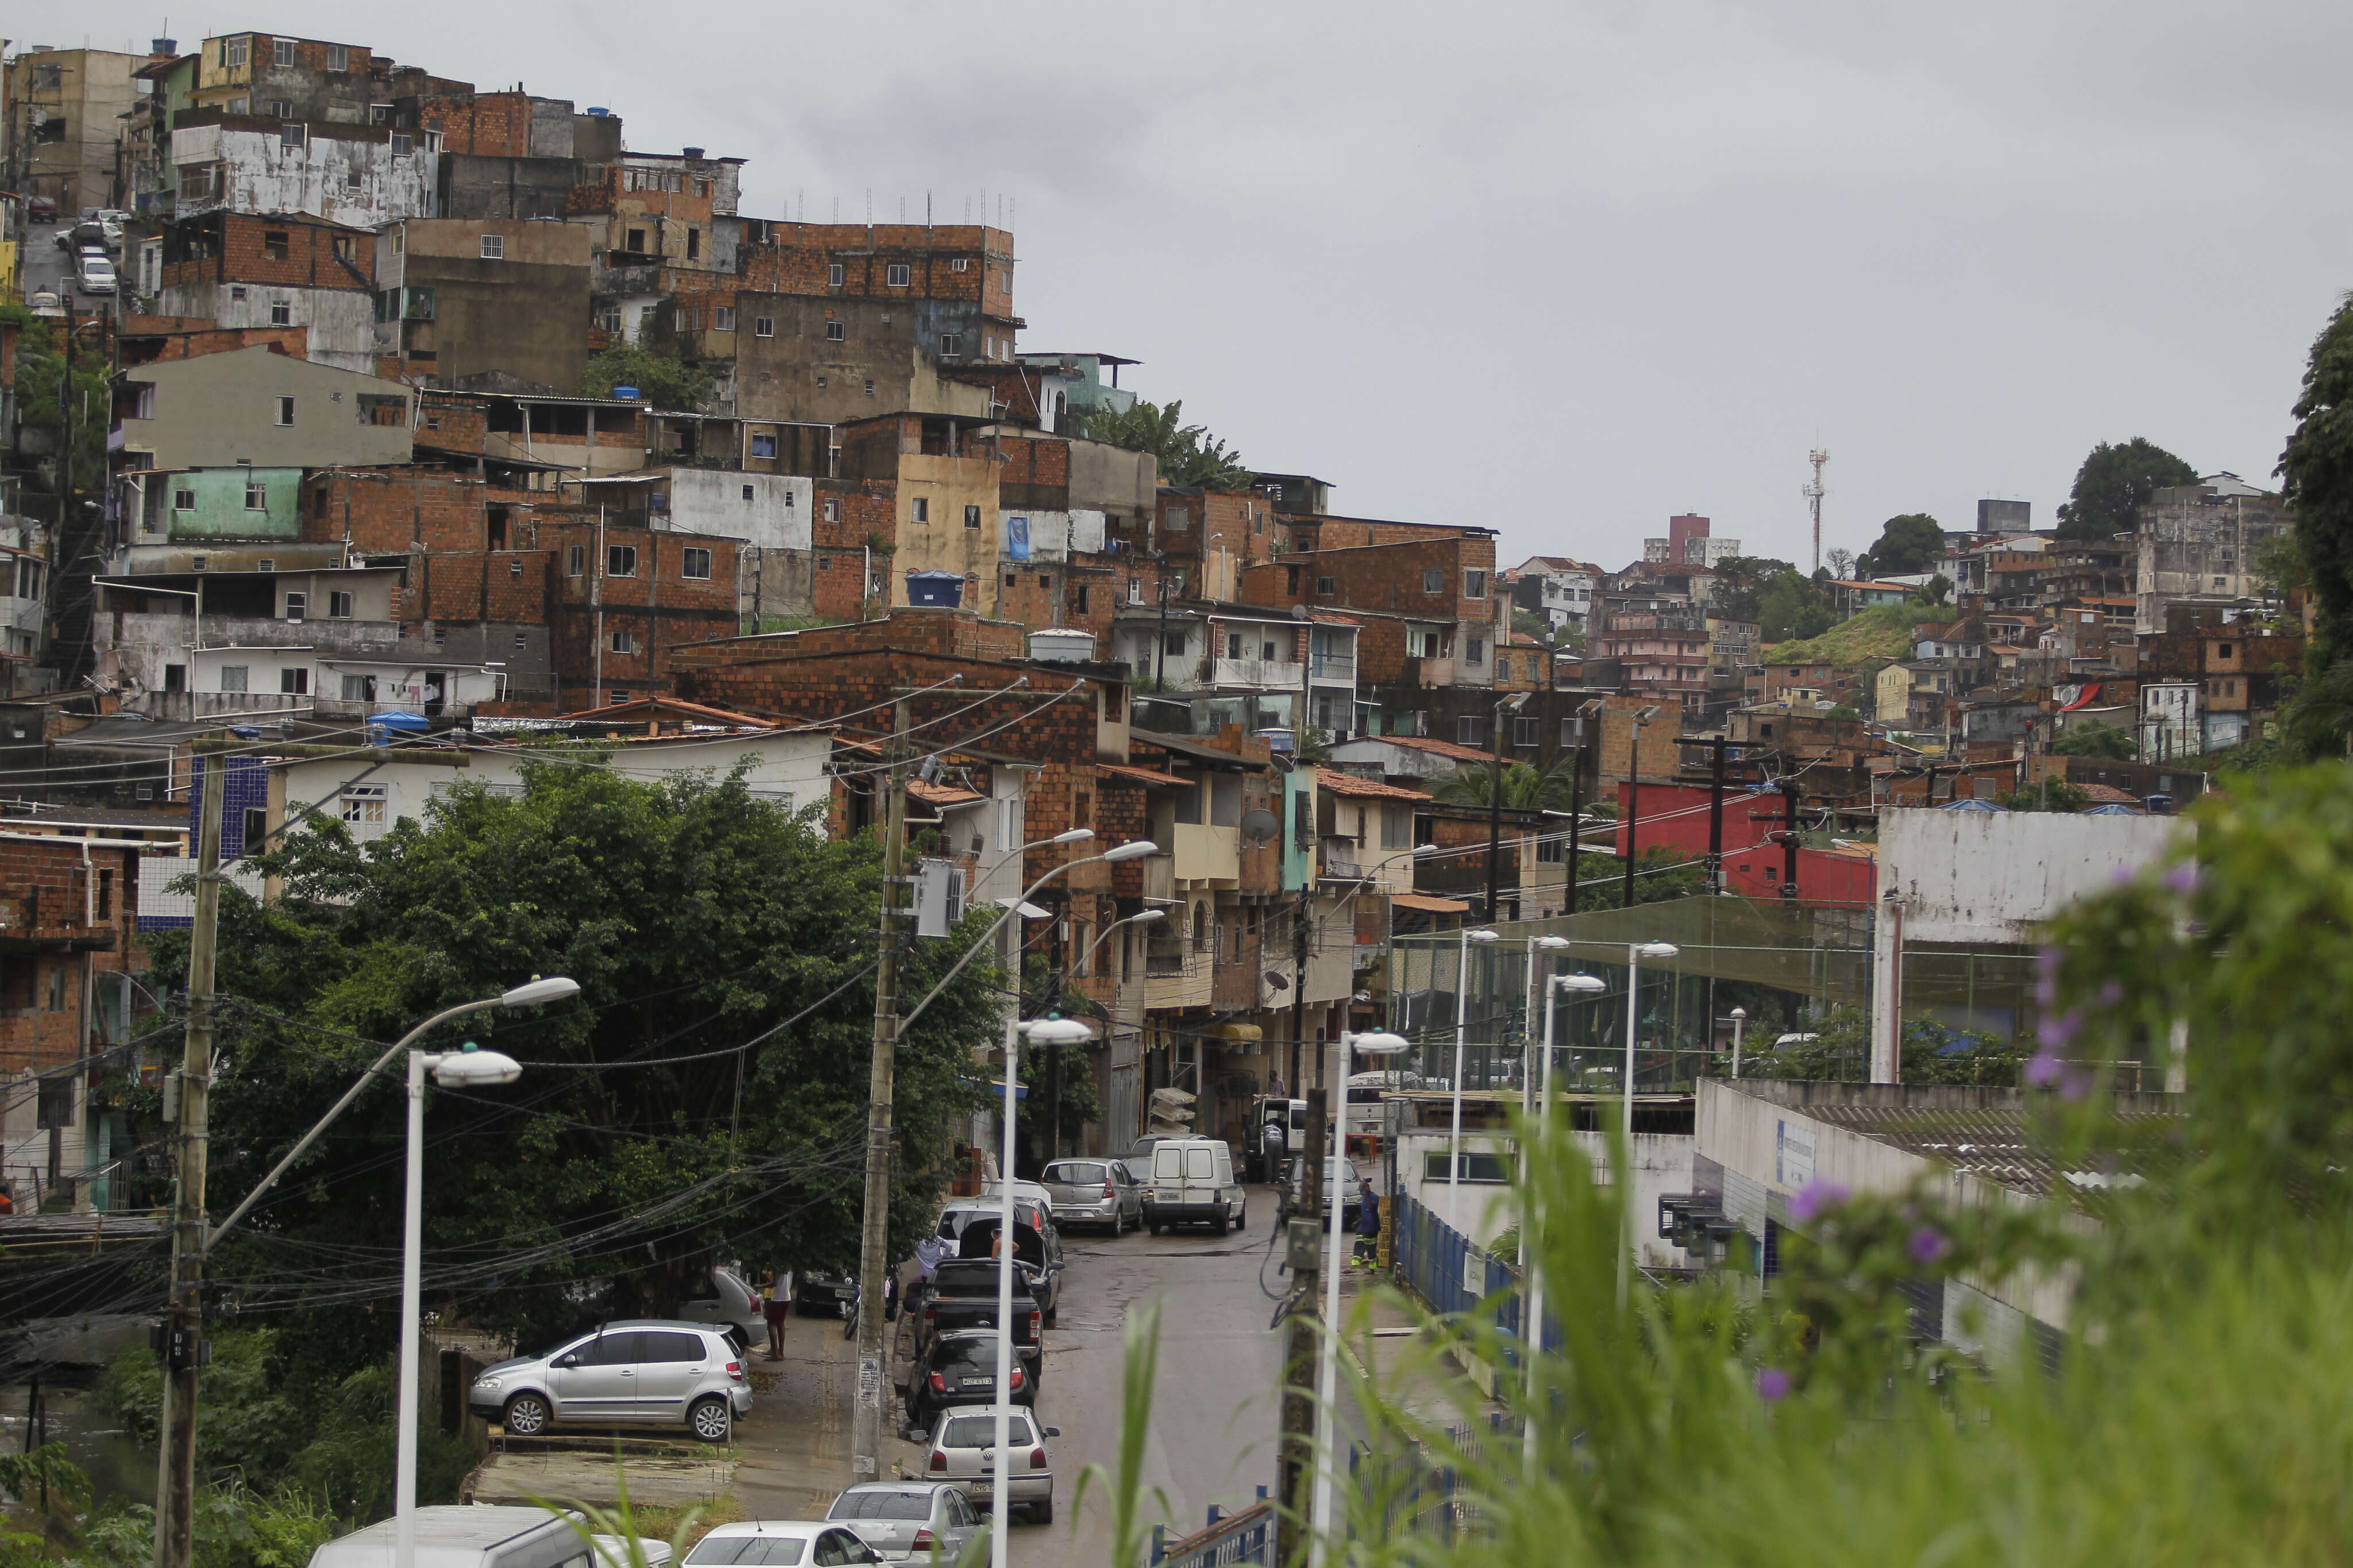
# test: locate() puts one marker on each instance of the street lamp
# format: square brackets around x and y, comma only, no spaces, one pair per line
[1532,1303]
[1739,1022]
[1635,952]
[1374,1042]
[1051,1030]
[470,1068]
[1546,943]
[1462,1023]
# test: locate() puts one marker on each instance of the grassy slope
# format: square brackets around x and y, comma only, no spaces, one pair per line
[1875,635]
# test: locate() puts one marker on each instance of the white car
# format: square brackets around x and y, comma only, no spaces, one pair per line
[95,275]
[964,1451]
[780,1543]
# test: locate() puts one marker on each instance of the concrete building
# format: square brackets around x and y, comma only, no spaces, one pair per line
[2203,543]
[496,304]
[240,271]
[259,407]
[64,108]
[1558,588]
[360,175]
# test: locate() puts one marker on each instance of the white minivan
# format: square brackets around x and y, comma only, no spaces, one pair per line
[1192,1183]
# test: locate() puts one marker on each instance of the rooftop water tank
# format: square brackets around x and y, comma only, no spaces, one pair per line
[1062,645]
[936,589]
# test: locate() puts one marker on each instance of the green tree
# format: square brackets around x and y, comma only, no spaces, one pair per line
[1528,622]
[1792,610]
[2050,795]
[1937,590]
[1907,543]
[2096,740]
[2316,473]
[1737,589]
[709,1081]
[1661,874]
[46,399]
[2113,482]
[664,380]
[1526,787]
[1188,454]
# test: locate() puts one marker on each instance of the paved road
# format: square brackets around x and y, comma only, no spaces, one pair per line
[1215,1409]
[44,265]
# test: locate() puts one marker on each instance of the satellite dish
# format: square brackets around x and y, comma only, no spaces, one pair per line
[1298,612]
[1259,825]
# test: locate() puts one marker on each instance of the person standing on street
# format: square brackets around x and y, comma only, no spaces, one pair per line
[777,1304]
[1369,1229]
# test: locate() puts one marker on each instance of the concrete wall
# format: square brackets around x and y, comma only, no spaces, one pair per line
[221,509]
[1976,875]
[776,516]
[221,410]
[262,175]
[1663,1167]
[339,323]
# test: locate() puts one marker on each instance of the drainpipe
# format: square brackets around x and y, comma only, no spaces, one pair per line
[597,598]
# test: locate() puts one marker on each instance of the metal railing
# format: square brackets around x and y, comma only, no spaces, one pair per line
[1247,1536]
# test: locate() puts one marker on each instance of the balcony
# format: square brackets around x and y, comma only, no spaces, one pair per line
[1159,878]
[1175,978]
[1454,876]
[1337,667]
[1341,858]
[1206,854]
[1258,674]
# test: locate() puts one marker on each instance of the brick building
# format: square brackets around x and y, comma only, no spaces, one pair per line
[243,270]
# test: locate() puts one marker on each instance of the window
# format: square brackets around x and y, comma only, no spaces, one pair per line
[237,105]
[1524,730]
[403,146]
[1135,590]
[296,604]
[1470,730]
[972,516]
[835,332]
[199,563]
[294,682]
[870,389]
[1474,651]
[722,318]
[1173,644]
[339,57]
[232,677]
[283,109]
[694,561]
[281,51]
[620,561]
[764,326]
[832,510]
[1420,643]
[274,243]
[355,689]
[184,500]
[281,314]
[693,244]
[897,276]
[257,497]
[951,345]
[837,275]
[1433,581]
[575,561]
[363,804]
[637,244]
[233,51]
[495,247]
[1474,584]
[922,508]
[379,114]
[1323,585]
[286,411]
[338,605]
[1179,520]
[624,643]
[764,445]
[961,263]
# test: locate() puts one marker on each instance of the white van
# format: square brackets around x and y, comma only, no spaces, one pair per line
[464,1537]
[1192,1183]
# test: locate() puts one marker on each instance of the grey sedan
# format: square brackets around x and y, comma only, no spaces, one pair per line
[1094,1191]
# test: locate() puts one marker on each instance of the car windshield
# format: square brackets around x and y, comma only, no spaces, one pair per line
[881,1504]
[749,1550]
[980,1431]
[980,1353]
[1076,1176]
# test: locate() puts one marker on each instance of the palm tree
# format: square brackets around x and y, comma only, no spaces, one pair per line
[1526,787]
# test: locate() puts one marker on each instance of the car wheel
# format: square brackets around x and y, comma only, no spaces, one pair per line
[526,1415]
[710,1420]
[1043,1512]
[1051,1313]
[1155,1228]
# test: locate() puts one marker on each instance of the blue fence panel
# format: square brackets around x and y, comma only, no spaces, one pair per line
[1232,1538]
[1430,1258]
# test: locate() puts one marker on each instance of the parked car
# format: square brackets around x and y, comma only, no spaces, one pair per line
[94,274]
[972,1222]
[824,1287]
[461,1536]
[960,1368]
[780,1543]
[45,303]
[1094,1191]
[1023,1192]
[643,1372]
[907,1521]
[1352,1190]
[1192,1183]
[40,209]
[963,1295]
[964,1451]
[726,1299]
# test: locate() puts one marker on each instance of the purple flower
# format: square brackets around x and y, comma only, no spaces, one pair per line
[2074,1085]
[2042,1070]
[1928,1245]
[1814,1197]
[2111,993]
[2183,878]
[2055,1032]
[2046,960]
[2120,876]
[1772,1383]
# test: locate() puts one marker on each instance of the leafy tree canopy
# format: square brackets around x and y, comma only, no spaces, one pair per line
[2113,481]
[1741,582]
[2318,474]
[667,1111]
[1792,610]
[2050,795]
[1189,454]
[1907,543]
[662,379]
[1526,787]
[2095,739]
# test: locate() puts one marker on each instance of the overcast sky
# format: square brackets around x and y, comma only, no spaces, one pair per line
[1560,270]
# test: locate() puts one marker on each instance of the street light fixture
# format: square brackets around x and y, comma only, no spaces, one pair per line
[1461,1025]
[1635,952]
[1051,1030]
[1373,1043]
[1532,1303]
[1739,1023]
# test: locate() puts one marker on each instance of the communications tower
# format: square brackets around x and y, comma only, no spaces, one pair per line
[1813,494]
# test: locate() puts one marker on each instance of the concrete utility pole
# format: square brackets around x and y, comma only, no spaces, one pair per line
[175,1476]
[874,1250]
[1789,795]
[1296,1469]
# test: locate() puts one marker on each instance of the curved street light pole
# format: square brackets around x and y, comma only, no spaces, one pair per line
[1532,1300]
[1635,952]
[1462,1026]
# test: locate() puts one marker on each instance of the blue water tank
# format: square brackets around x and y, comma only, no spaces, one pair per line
[598,109]
[625,393]
[943,590]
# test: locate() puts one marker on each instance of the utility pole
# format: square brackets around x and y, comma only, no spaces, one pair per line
[1576,815]
[1300,930]
[1790,791]
[1295,1471]
[1633,815]
[175,1476]
[1715,745]
[874,1247]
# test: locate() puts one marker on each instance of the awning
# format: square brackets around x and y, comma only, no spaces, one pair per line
[1143,777]
[1429,905]
[1237,1033]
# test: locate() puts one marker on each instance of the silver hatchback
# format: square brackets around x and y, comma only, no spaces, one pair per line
[648,1371]
[905,1520]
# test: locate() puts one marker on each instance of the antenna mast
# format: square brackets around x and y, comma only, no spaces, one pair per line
[1813,494]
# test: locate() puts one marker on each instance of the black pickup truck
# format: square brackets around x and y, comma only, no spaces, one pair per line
[963,1295]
